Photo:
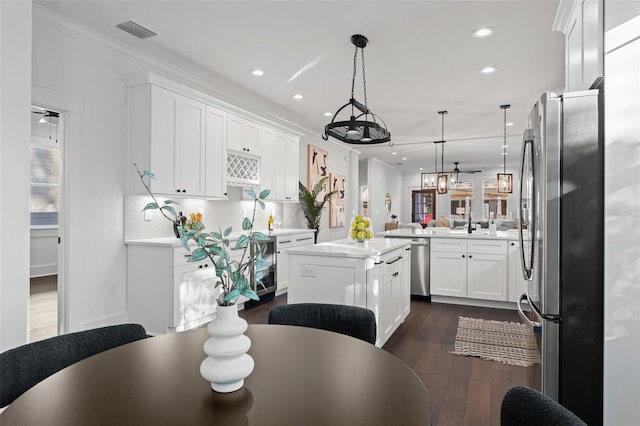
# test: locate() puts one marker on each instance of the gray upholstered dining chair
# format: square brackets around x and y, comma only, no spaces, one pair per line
[523,406]
[349,320]
[23,367]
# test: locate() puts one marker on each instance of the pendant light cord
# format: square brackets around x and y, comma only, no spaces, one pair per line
[504,107]
[504,145]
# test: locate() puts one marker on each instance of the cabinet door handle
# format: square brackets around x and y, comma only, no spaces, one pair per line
[394,260]
[184,190]
[463,255]
[407,249]
[378,263]
[470,256]
[513,244]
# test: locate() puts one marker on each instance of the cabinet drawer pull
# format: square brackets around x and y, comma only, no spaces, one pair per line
[394,260]
[304,239]
[378,263]
[285,242]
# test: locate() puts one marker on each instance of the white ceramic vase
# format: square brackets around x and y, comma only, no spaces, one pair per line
[227,363]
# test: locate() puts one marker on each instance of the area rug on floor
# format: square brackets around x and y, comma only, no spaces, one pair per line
[507,342]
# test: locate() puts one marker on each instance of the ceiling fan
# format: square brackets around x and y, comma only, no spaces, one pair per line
[50,117]
[457,170]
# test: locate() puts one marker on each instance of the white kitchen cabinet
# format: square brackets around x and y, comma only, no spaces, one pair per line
[268,169]
[284,242]
[474,268]
[165,293]
[448,267]
[243,135]
[286,166]
[373,277]
[406,289]
[517,283]
[582,24]
[279,165]
[215,152]
[167,137]
[392,302]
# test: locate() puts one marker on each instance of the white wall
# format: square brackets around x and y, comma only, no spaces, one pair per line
[383,178]
[622,233]
[43,249]
[341,160]
[15,100]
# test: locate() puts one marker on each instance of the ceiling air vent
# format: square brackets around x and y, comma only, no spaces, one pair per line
[136,29]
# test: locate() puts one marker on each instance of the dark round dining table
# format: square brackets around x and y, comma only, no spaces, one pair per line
[302,376]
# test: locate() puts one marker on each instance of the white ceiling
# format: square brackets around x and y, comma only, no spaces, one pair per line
[421,59]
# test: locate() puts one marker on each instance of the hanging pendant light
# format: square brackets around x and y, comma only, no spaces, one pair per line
[455,175]
[443,183]
[505,180]
[362,127]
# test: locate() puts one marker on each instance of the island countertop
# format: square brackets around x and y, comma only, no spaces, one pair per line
[448,233]
[349,248]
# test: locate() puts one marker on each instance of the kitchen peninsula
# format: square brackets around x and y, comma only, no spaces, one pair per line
[477,269]
[373,274]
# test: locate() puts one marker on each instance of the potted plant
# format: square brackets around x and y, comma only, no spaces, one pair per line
[311,207]
[227,363]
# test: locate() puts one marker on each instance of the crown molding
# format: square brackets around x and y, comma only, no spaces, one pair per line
[565,11]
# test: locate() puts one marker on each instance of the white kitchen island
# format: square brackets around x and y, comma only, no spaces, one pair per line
[373,275]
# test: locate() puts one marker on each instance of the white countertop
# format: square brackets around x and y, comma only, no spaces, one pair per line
[448,233]
[175,242]
[349,248]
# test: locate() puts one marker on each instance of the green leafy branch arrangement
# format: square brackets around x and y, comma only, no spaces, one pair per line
[232,274]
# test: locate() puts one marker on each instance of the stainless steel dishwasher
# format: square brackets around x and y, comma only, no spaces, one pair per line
[420,254]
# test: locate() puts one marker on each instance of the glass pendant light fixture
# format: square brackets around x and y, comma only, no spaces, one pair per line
[442,176]
[505,180]
[362,127]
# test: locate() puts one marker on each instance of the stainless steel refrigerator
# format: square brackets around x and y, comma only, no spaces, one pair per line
[562,244]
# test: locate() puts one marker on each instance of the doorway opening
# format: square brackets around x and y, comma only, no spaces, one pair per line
[46,172]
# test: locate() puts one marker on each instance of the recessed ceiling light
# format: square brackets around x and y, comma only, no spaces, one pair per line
[509,124]
[421,168]
[505,146]
[483,32]
[404,158]
[394,153]
[328,114]
[488,70]
[297,96]
[257,72]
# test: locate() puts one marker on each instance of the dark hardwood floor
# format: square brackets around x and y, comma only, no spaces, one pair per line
[463,390]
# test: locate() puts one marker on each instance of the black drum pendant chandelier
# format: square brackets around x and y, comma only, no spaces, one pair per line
[362,128]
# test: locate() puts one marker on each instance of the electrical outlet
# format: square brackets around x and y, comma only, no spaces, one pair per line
[112,287]
[308,271]
[147,215]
